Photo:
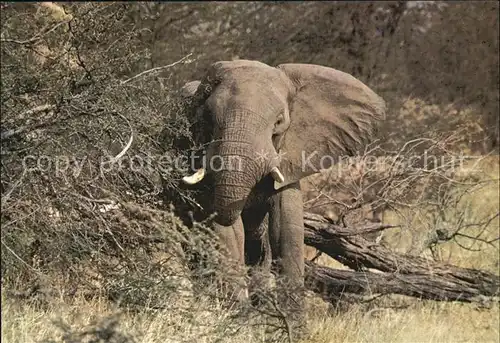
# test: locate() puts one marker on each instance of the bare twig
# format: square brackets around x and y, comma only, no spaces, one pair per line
[42,108]
[7,195]
[35,38]
[120,155]
[98,201]
[184,60]
[20,259]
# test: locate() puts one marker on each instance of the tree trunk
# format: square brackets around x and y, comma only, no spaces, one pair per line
[399,274]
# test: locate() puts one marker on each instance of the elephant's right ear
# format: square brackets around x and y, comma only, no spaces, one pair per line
[201,90]
[195,94]
[189,89]
[190,100]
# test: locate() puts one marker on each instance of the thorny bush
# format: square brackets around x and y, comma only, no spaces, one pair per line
[91,167]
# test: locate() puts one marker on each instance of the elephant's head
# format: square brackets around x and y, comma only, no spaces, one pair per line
[288,121]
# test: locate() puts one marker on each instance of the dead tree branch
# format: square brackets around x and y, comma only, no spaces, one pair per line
[183,60]
[402,274]
[332,282]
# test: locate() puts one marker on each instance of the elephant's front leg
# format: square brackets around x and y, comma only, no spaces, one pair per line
[287,244]
[257,249]
[232,239]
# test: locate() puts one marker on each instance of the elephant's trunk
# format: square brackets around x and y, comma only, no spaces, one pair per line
[230,197]
[234,178]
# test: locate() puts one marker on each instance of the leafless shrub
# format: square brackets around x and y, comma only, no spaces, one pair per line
[65,140]
[90,168]
[423,183]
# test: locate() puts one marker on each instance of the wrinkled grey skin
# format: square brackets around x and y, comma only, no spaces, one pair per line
[251,109]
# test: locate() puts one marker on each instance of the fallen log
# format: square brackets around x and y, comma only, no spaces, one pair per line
[331,283]
[400,274]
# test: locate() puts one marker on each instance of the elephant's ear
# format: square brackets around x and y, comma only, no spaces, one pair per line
[198,91]
[192,110]
[189,89]
[194,95]
[332,115]
[191,106]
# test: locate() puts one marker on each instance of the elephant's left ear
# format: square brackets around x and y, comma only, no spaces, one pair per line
[332,115]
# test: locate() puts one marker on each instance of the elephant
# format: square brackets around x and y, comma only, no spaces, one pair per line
[280,124]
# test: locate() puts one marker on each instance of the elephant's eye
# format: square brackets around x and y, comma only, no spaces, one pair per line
[280,124]
[280,120]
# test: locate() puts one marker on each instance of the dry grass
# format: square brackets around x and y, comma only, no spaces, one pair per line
[419,322]
[82,320]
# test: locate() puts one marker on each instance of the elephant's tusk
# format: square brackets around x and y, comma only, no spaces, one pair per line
[195,178]
[277,176]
